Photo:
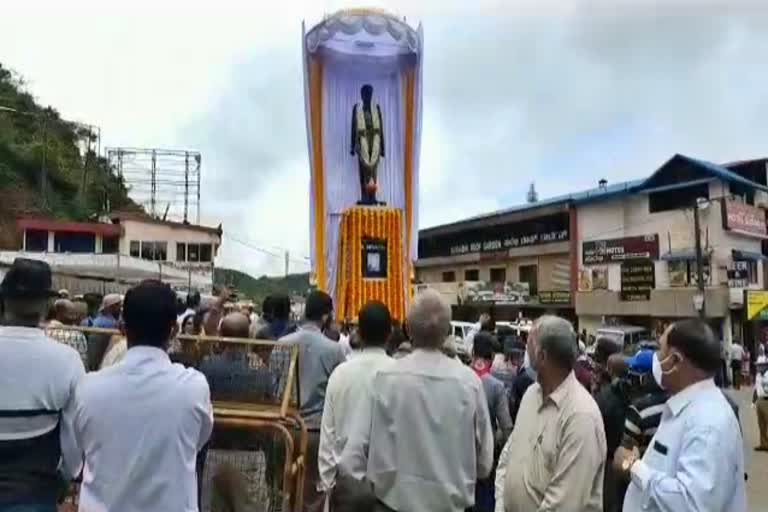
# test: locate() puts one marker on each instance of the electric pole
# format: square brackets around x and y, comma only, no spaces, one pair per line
[699,261]
[287,260]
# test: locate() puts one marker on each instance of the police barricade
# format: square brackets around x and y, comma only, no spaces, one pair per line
[255,458]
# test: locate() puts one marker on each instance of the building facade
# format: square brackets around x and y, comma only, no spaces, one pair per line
[621,253]
[119,252]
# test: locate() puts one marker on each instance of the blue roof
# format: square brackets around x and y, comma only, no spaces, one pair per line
[714,170]
[619,189]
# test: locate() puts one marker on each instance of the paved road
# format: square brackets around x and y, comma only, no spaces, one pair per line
[757,462]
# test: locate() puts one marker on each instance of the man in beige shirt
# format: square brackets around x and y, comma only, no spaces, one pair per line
[555,458]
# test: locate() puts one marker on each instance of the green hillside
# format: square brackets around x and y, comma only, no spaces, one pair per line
[36,142]
[258,289]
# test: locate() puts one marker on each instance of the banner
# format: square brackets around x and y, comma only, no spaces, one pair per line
[757,301]
[638,278]
[555,297]
[744,219]
[617,250]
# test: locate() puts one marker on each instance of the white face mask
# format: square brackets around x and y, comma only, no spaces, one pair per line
[658,372]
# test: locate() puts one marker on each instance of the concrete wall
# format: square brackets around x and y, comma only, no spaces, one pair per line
[155,232]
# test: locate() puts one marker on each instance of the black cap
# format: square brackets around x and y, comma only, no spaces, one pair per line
[28,279]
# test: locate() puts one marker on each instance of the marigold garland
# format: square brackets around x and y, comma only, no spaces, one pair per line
[353,291]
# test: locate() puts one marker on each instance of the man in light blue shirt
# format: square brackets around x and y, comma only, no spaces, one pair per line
[695,462]
[318,357]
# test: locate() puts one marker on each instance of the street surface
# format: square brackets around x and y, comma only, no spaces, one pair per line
[756,462]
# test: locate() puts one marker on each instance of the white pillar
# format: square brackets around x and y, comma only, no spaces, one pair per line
[99,245]
[51,242]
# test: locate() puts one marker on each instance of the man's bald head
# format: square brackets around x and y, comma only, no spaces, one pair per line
[235,325]
[65,311]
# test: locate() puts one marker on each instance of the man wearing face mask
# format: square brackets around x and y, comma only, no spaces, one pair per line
[318,357]
[695,461]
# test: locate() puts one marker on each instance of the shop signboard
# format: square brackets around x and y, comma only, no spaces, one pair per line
[617,250]
[555,297]
[738,274]
[638,278]
[498,293]
[744,219]
[757,303]
[495,241]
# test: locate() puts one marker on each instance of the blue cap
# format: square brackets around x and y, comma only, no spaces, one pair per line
[642,362]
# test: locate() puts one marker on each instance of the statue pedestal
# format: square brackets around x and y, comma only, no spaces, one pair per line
[371,261]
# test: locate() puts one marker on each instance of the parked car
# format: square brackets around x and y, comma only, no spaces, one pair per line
[624,336]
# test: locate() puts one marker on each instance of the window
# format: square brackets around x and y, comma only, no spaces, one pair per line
[181,252]
[74,242]
[153,251]
[37,240]
[193,253]
[110,245]
[135,249]
[677,199]
[472,275]
[449,277]
[206,255]
[498,275]
[683,273]
[530,274]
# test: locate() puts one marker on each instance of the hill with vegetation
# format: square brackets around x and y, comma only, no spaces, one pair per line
[258,289]
[49,166]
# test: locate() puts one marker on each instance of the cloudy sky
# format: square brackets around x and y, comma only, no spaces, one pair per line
[560,93]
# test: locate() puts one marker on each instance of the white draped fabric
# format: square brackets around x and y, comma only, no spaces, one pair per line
[341,90]
[357,50]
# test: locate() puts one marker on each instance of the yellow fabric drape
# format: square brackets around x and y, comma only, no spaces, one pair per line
[318,172]
[352,289]
[409,77]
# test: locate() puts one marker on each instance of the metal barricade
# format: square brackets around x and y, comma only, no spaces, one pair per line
[255,458]
[256,454]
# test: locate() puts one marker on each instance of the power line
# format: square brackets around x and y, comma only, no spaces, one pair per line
[262,250]
[273,246]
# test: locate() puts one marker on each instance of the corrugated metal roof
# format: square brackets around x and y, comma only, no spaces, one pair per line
[717,170]
[614,190]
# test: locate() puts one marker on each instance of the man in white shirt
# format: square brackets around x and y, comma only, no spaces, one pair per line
[349,388]
[695,461]
[140,424]
[761,401]
[38,376]
[736,356]
[426,437]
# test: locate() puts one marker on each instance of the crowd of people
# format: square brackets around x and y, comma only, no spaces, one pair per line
[396,420]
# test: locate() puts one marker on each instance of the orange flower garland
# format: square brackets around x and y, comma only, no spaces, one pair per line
[352,289]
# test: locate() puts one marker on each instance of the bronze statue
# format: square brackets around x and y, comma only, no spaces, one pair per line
[367,142]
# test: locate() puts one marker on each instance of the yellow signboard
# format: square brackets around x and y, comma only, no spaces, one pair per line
[756,302]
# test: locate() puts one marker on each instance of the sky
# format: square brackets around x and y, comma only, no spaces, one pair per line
[558,93]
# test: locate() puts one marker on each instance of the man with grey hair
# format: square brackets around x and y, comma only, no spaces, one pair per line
[410,440]
[555,457]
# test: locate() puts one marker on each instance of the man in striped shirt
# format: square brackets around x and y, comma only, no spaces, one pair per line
[644,413]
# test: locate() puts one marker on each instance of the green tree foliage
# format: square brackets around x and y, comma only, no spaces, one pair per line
[258,289]
[79,183]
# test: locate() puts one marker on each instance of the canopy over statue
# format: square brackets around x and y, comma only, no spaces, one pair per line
[363,79]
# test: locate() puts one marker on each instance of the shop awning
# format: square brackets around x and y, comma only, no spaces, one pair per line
[747,255]
[683,255]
